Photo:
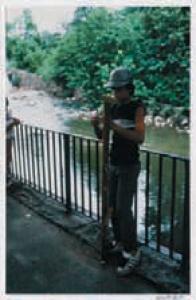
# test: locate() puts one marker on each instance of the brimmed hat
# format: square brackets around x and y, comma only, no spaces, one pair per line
[119,77]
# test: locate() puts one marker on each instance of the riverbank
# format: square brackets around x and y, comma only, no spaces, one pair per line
[80,112]
[24,81]
[38,108]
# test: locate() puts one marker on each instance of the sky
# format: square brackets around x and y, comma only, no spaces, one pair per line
[46,18]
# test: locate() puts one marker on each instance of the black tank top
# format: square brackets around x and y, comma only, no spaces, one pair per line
[124,151]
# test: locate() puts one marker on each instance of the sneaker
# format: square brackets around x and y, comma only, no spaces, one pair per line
[118,248]
[127,255]
[132,262]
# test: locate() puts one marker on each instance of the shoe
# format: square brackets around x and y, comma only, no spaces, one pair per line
[118,248]
[127,255]
[132,262]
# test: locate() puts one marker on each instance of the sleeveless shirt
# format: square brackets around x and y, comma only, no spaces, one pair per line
[124,151]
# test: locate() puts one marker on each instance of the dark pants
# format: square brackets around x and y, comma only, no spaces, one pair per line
[123,185]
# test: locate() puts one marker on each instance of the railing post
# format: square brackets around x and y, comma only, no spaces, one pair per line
[105,179]
[67,172]
[186,229]
[147,198]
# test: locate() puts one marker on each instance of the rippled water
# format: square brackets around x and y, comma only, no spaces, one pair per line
[52,113]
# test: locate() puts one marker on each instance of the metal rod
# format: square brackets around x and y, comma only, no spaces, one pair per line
[43,160]
[19,154]
[54,163]
[23,153]
[33,158]
[64,169]
[82,173]
[37,156]
[186,223]
[105,177]
[75,174]
[147,197]
[15,154]
[135,212]
[61,166]
[159,204]
[49,163]
[67,172]
[173,197]
[98,181]
[27,154]
[89,175]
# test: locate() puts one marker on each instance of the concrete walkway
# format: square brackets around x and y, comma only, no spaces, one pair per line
[42,258]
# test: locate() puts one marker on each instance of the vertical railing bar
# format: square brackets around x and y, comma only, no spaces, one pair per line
[15,156]
[54,163]
[23,151]
[21,157]
[186,223]
[27,153]
[49,163]
[40,158]
[60,166]
[98,179]
[37,156]
[147,198]
[12,160]
[67,171]
[30,156]
[33,157]
[159,203]
[136,211]
[173,196]
[75,174]
[19,154]
[43,160]
[89,175]
[64,168]
[82,173]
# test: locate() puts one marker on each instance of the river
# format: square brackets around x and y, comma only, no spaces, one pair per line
[38,109]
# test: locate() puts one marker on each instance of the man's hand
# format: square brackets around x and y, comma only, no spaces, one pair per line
[96,119]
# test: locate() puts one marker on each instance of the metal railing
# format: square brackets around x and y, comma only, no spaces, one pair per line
[68,169]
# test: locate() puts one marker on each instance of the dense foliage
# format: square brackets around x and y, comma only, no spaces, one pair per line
[152,42]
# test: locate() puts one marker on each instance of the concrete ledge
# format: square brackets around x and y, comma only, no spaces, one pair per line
[155,267]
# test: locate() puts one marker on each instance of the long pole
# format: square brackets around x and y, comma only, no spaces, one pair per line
[105,175]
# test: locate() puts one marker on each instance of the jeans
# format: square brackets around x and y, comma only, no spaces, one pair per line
[122,187]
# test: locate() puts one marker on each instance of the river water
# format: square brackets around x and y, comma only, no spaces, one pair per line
[38,109]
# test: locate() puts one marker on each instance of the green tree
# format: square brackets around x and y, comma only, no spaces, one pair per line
[152,42]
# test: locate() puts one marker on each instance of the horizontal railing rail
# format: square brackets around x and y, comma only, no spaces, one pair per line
[67,168]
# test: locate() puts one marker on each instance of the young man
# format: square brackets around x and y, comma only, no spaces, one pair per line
[127,124]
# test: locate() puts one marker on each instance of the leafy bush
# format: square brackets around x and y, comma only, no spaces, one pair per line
[152,42]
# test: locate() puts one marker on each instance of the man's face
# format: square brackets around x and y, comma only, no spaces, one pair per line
[122,94]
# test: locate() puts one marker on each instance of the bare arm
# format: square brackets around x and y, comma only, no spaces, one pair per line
[137,135]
